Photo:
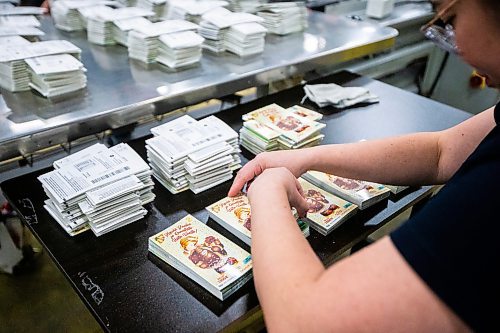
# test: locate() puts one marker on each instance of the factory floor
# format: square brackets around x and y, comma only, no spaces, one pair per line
[40,299]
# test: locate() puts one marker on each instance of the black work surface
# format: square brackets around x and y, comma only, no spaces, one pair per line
[128,289]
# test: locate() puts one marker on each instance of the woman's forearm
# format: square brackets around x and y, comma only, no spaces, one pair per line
[406,160]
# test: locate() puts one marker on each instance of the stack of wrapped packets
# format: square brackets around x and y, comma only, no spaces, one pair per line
[283,18]
[196,155]
[143,41]
[100,25]
[362,193]
[98,188]
[180,49]
[275,128]
[14,72]
[56,75]
[239,33]
[205,256]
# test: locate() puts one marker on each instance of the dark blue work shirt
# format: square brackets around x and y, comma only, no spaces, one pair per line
[453,242]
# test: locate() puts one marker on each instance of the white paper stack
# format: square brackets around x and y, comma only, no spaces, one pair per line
[122,27]
[192,10]
[14,74]
[180,49]
[275,128]
[22,10]
[189,154]
[247,6]
[100,25]
[246,39]
[159,7]
[71,15]
[26,31]
[283,18]
[98,188]
[239,33]
[19,21]
[143,41]
[56,75]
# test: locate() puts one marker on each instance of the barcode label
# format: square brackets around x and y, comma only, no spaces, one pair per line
[106,176]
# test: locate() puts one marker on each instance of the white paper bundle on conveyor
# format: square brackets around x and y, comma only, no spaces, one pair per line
[247,6]
[180,49]
[29,32]
[100,24]
[69,15]
[98,188]
[158,7]
[190,154]
[56,75]
[14,72]
[239,33]
[283,18]
[122,27]
[19,21]
[192,10]
[22,10]
[143,41]
[275,128]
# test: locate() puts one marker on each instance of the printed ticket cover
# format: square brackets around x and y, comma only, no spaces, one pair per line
[288,124]
[80,176]
[234,211]
[325,208]
[306,113]
[204,251]
[260,130]
[354,188]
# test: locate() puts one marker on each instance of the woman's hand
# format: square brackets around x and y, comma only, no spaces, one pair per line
[291,160]
[275,182]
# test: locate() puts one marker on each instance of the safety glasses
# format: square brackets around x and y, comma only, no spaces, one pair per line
[440,32]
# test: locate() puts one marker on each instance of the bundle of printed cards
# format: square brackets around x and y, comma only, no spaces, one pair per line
[19,21]
[246,6]
[192,10]
[239,33]
[70,15]
[205,256]
[98,188]
[363,194]
[14,75]
[100,25]
[143,41]
[56,75]
[14,72]
[190,154]
[180,49]
[245,39]
[233,213]
[283,18]
[275,128]
[22,10]
[122,27]
[27,31]
[158,7]
[326,211]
